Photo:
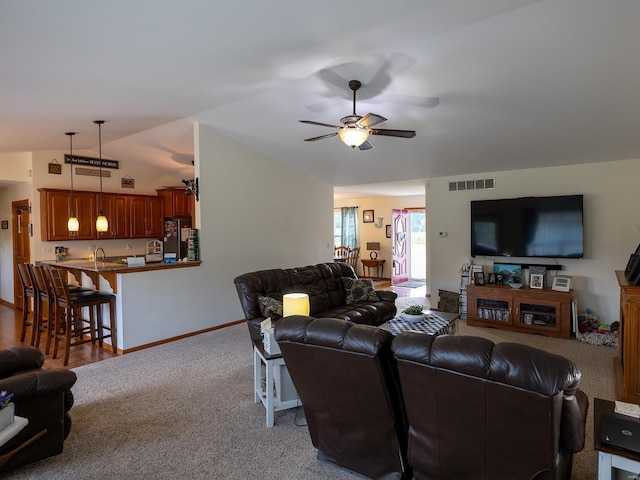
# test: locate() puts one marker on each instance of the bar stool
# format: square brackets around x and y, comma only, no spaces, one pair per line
[69,324]
[40,296]
[27,292]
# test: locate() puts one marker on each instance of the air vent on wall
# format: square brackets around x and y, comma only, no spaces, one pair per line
[480,184]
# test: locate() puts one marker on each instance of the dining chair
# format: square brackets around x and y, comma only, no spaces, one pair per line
[340,253]
[352,258]
[27,292]
[41,297]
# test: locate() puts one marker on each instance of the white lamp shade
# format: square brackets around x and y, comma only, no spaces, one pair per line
[354,136]
[73,225]
[295,304]
[102,225]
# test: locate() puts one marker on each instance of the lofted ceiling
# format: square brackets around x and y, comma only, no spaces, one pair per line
[488,85]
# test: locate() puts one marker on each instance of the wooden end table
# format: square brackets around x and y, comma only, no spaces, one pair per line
[378,264]
[609,458]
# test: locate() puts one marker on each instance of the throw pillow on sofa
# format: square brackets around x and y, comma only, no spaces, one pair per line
[359,290]
[270,307]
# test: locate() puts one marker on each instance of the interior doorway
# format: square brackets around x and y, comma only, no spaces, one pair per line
[21,244]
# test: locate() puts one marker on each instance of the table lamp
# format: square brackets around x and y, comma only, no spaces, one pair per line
[374,247]
[295,304]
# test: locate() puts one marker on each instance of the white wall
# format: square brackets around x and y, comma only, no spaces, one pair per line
[611,226]
[368,232]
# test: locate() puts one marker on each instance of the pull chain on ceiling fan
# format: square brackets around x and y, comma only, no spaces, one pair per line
[355,130]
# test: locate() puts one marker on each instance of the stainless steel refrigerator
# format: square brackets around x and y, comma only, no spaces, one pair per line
[176,233]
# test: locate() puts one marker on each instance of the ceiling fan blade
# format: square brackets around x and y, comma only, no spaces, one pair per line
[393,133]
[319,123]
[313,139]
[371,119]
[367,145]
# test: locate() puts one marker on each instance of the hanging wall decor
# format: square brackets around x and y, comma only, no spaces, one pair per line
[54,167]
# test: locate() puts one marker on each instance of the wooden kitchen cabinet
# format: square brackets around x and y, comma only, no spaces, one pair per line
[116,209]
[528,310]
[146,216]
[176,203]
[55,207]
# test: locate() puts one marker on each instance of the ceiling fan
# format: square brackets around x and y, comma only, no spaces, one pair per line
[355,130]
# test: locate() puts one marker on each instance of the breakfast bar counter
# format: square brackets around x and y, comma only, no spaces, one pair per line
[109,269]
[152,300]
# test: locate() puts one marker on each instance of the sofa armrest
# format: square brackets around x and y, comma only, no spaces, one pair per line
[387,295]
[36,383]
[574,420]
[16,359]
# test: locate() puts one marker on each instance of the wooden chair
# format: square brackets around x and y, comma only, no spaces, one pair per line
[27,292]
[352,258]
[70,326]
[41,297]
[341,253]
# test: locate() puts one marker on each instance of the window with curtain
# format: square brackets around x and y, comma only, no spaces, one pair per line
[349,230]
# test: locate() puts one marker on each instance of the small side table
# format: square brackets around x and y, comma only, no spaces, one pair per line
[278,392]
[12,430]
[373,263]
[609,458]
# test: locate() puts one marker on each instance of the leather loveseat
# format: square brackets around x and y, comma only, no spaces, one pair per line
[42,396]
[476,409]
[467,408]
[328,296]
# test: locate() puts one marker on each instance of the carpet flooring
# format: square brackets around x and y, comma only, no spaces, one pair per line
[186,410]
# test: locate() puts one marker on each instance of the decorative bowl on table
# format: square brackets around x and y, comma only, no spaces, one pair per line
[413,313]
[515,285]
[407,317]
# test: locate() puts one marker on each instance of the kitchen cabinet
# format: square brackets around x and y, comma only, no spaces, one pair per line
[176,203]
[116,209]
[528,310]
[146,216]
[55,209]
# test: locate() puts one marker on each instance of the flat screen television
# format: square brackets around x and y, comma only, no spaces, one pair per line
[548,227]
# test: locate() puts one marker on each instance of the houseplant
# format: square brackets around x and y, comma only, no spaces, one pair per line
[413,313]
[7,410]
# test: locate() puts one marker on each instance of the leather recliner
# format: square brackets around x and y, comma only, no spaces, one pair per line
[479,410]
[42,396]
[345,376]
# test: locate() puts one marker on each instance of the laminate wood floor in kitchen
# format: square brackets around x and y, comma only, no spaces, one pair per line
[10,327]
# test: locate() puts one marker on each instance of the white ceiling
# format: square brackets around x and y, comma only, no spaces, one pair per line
[519,83]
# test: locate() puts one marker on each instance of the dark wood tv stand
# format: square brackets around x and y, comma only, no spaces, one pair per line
[528,310]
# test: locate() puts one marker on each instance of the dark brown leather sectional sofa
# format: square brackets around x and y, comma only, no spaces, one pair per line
[325,286]
[424,407]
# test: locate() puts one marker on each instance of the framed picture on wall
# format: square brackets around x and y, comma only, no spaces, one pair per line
[367,216]
[388,231]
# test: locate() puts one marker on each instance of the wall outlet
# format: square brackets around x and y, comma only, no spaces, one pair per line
[46,250]
[128,246]
[91,248]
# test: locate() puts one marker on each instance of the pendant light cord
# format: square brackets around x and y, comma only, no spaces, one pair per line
[71,134]
[100,122]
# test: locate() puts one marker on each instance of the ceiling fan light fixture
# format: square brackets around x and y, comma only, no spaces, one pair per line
[353,136]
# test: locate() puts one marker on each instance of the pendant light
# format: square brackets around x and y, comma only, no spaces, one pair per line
[72,224]
[102,225]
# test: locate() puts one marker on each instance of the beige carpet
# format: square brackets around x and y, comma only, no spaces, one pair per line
[186,410]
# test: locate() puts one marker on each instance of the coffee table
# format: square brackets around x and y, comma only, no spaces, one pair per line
[434,323]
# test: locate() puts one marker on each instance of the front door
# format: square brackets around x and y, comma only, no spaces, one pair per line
[399,241]
[21,244]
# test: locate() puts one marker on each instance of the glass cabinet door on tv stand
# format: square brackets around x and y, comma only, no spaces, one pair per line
[524,309]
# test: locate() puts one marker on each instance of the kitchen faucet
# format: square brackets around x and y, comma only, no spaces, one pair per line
[95,254]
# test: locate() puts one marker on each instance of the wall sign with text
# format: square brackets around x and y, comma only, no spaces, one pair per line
[90,161]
